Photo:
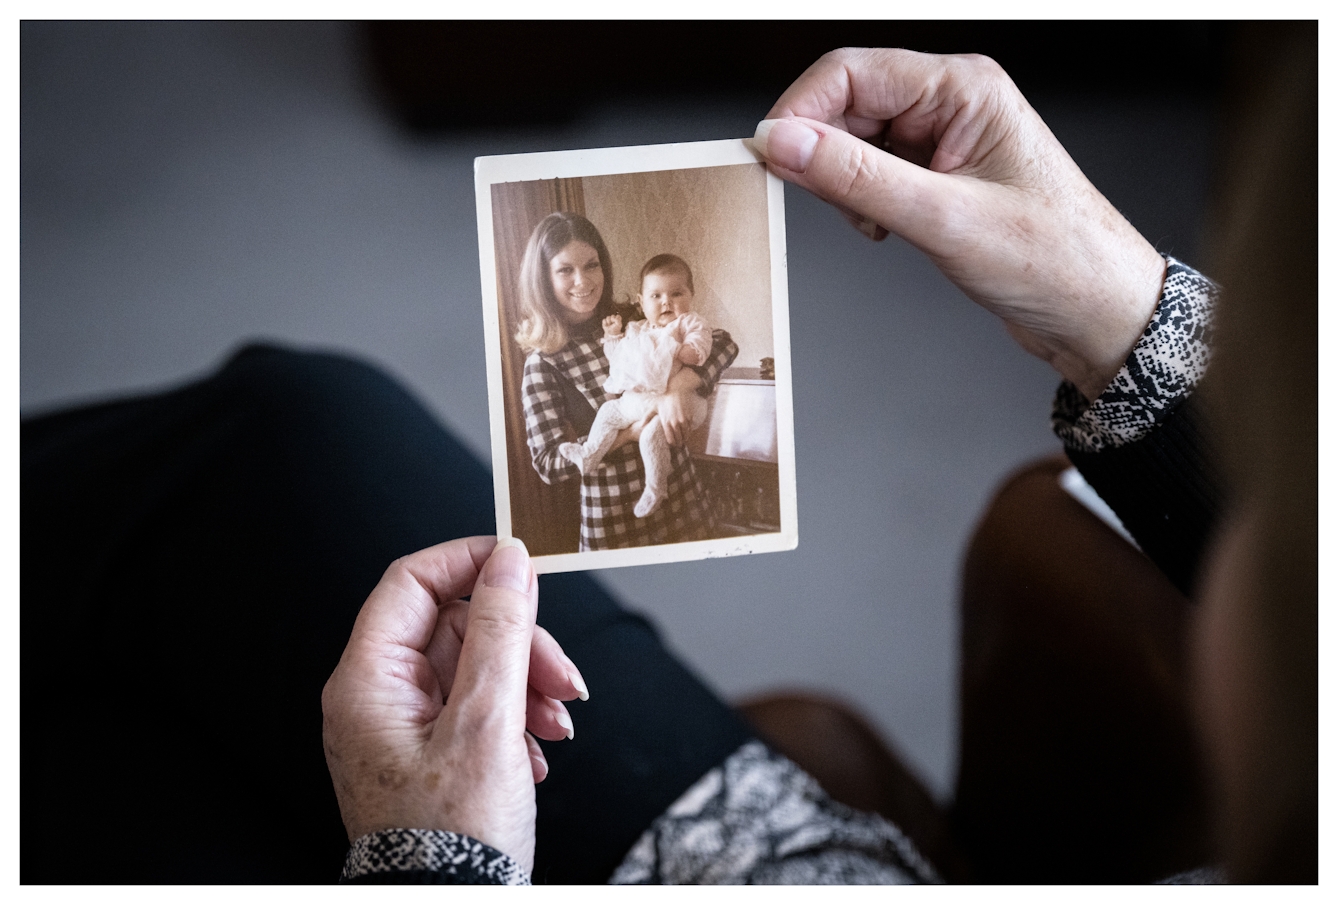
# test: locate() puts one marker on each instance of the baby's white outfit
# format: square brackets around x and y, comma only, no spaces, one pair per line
[641,362]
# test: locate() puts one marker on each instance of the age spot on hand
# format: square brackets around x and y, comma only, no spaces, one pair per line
[391,779]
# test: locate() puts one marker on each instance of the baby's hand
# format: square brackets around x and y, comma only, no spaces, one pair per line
[689,355]
[613,325]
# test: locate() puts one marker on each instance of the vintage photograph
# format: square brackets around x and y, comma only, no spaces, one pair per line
[637,328]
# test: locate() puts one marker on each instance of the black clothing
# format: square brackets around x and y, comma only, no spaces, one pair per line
[192,563]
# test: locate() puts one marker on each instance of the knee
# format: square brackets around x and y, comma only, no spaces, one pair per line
[344,425]
[331,406]
[282,372]
[312,389]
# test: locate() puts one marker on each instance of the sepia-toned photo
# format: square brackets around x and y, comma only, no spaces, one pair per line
[636,319]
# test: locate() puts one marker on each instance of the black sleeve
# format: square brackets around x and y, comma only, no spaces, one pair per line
[1164,487]
[1142,444]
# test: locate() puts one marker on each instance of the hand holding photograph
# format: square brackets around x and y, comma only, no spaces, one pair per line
[637,329]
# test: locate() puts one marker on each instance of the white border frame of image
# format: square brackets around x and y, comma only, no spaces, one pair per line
[605,162]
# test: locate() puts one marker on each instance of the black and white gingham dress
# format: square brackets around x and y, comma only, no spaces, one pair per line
[554,389]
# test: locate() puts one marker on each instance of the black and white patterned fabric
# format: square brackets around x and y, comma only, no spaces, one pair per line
[1199,876]
[445,857]
[610,492]
[759,819]
[1163,369]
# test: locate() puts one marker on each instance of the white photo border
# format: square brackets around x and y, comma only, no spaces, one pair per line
[641,159]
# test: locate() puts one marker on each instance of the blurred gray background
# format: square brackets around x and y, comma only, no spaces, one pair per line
[188,186]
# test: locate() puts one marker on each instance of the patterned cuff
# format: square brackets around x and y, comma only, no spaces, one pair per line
[448,857]
[1160,373]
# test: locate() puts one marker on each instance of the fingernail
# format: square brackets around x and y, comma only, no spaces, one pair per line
[509,566]
[537,757]
[786,143]
[579,684]
[564,721]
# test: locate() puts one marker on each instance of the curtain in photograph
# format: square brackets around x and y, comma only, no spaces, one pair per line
[546,517]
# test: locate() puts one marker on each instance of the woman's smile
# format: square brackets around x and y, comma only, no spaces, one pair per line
[578,280]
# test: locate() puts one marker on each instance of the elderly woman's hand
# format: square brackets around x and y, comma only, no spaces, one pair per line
[398,755]
[975,180]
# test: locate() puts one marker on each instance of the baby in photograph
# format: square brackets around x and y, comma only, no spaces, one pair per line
[642,361]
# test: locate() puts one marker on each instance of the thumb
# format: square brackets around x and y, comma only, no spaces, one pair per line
[857,177]
[488,694]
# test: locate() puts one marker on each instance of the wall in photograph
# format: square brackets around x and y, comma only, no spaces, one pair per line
[711,218]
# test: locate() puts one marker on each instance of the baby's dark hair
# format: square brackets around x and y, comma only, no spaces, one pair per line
[667,263]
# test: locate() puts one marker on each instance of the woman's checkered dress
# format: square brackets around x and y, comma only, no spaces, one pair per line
[556,391]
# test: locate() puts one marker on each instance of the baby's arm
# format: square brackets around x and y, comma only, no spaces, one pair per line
[696,340]
[613,331]
[723,352]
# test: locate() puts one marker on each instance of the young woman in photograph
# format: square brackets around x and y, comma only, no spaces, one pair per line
[566,292]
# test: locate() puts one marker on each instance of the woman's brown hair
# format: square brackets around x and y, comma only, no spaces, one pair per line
[542,327]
